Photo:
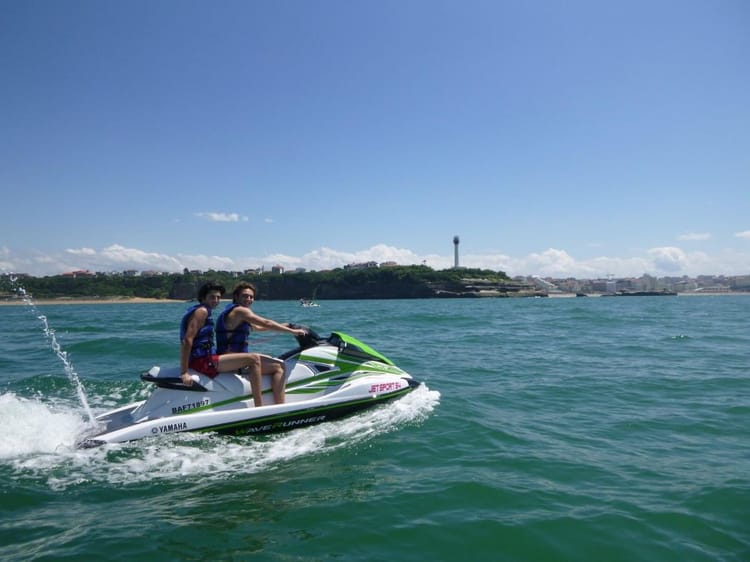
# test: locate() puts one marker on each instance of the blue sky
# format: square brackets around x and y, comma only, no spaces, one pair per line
[579,138]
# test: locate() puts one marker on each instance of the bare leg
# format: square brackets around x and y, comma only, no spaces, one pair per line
[234,361]
[256,382]
[277,384]
[275,368]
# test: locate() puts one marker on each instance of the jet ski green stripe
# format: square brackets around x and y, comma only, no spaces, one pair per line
[323,384]
[323,381]
[361,347]
[307,411]
[313,384]
[352,365]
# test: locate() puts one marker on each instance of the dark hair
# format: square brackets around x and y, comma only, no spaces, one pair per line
[241,286]
[208,287]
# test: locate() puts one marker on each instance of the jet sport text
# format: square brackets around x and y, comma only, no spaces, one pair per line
[385,387]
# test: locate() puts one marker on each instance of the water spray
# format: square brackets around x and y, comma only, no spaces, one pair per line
[55,346]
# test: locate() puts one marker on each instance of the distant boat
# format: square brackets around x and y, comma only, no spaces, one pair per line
[308,303]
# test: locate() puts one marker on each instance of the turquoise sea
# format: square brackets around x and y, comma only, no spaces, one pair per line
[613,429]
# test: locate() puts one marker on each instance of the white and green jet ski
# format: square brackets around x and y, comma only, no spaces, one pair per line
[326,378]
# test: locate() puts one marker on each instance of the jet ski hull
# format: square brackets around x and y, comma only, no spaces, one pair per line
[326,379]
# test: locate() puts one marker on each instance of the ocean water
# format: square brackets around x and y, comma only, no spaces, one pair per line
[547,429]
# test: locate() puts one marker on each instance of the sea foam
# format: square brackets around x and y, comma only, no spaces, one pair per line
[30,426]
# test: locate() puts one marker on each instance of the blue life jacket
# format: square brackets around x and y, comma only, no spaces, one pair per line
[231,341]
[203,343]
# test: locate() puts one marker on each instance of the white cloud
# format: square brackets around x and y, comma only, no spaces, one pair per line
[744,234]
[118,258]
[5,260]
[669,259]
[553,262]
[222,217]
[691,236]
[203,263]
[328,258]
[81,251]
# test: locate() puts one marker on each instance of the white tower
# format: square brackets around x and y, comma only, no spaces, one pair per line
[455,251]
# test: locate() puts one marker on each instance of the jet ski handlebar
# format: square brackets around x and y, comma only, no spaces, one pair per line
[310,337]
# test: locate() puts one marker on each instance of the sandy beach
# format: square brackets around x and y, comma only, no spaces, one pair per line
[85,300]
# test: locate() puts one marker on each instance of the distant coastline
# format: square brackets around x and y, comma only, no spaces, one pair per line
[356,282]
[679,294]
[144,300]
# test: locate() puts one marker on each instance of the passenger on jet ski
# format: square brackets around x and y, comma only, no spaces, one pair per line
[233,329]
[197,350]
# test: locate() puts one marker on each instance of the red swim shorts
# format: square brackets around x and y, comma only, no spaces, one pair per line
[208,365]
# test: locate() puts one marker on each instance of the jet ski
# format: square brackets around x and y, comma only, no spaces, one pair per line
[326,378]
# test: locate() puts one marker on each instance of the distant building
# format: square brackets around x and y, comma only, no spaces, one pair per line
[543,284]
[714,289]
[79,273]
[362,265]
[599,285]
